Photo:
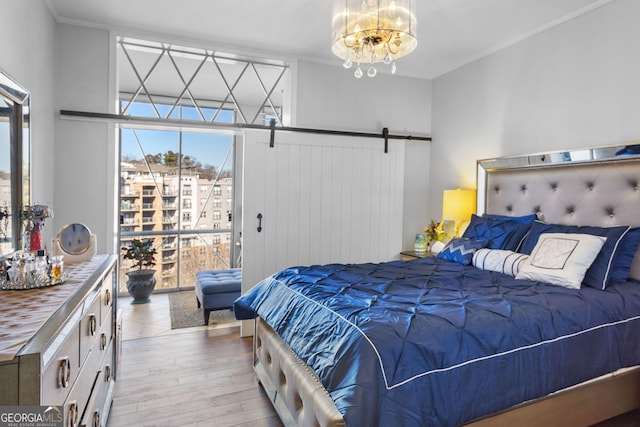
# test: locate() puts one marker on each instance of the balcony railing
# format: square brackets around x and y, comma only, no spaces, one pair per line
[148,192]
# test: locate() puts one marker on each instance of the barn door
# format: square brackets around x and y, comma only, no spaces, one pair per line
[317,199]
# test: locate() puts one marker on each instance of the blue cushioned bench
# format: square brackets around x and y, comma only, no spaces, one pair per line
[217,289]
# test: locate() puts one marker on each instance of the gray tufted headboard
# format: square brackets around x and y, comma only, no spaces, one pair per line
[598,189]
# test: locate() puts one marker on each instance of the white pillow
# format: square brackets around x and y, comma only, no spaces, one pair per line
[561,258]
[500,260]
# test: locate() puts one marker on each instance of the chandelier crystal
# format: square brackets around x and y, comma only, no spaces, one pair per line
[371,31]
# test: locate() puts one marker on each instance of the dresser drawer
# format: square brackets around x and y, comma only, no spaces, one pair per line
[100,348]
[79,396]
[63,367]
[106,296]
[89,326]
[98,406]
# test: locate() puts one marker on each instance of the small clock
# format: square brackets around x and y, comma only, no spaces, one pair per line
[75,242]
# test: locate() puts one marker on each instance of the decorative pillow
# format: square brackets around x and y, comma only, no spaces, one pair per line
[506,262]
[461,250]
[624,255]
[525,219]
[561,258]
[598,275]
[499,234]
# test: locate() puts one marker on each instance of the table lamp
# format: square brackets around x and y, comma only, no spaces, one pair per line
[458,205]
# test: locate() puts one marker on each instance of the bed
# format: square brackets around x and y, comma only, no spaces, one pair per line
[439,342]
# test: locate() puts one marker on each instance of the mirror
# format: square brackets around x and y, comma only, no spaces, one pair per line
[14,162]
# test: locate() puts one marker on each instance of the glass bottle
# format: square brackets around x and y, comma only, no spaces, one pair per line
[57,268]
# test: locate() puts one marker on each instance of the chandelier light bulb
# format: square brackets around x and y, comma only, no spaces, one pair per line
[358,73]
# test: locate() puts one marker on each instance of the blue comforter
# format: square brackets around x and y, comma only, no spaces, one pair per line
[434,343]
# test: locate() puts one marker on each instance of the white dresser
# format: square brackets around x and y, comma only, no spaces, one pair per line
[58,345]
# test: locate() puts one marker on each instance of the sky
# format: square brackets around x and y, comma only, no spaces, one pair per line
[206,148]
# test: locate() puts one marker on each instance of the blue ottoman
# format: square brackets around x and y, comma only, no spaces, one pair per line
[217,289]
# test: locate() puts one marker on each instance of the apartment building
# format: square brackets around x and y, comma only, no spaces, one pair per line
[188,217]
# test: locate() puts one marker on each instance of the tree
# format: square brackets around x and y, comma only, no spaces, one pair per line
[171,159]
[154,158]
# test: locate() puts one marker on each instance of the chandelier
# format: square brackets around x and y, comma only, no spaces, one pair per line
[372,31]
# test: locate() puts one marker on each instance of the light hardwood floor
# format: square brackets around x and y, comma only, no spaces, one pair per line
[199,376]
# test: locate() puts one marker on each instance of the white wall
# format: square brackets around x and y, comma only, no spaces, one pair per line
[85,173]
[27,54]
[573,86]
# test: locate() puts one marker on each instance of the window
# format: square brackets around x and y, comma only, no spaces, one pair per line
[169,166]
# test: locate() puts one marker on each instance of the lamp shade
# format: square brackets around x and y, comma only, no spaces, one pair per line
[458,205]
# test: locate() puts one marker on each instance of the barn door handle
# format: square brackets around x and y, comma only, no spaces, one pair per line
[259,222]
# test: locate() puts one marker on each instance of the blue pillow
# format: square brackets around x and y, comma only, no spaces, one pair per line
[525,219]
[624,255]
[499,234]
[461,250]
[599,274]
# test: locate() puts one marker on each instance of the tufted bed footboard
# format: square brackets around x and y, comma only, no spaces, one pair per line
[294,390]
[301,400]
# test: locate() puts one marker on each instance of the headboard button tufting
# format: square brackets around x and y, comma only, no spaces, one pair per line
[523,188]
[554,186]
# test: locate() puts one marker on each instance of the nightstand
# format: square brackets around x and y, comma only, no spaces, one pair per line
[410,254]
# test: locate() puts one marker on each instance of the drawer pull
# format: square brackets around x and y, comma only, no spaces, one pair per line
[103,341]
[93,324]
[64,372]
[107,299]
[73,414]
[107,373]
[96,419]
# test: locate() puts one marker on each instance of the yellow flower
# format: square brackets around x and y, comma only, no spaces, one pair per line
[434,231]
